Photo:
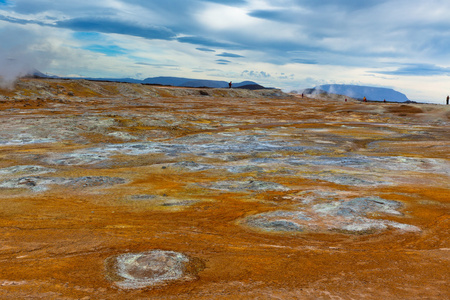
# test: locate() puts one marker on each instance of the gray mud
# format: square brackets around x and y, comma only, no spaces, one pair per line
[162,201]
[23,139]
[347,179]
[344,216]
[277,221]
[40,184]
[25,170]
[150,269]
[247,185]
[77,158]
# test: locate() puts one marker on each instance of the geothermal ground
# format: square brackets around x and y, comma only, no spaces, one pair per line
[122,191]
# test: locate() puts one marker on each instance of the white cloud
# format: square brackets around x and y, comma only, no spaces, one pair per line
[217,17]
[330,41]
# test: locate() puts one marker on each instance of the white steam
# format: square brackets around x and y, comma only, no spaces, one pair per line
[22,51]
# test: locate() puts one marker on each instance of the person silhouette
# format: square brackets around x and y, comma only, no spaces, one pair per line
[448,97]
[229,85]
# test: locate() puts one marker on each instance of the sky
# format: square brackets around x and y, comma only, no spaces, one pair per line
[288,44]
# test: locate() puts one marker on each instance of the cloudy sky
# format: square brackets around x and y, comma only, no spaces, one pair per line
[289,44]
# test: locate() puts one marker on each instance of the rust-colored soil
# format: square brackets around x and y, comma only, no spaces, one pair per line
[256,187]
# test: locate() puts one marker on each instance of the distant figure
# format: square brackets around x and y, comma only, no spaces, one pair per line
[384,100]
[364,99]
[229,85]
[302,97]
[448,97]
[345,99]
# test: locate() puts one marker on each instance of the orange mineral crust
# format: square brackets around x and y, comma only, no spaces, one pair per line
[129,191]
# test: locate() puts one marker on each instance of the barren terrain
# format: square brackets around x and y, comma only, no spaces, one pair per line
[127,191]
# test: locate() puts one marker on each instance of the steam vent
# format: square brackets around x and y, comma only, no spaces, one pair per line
[132,191]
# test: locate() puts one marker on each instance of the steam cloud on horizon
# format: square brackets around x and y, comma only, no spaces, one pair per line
[21,53]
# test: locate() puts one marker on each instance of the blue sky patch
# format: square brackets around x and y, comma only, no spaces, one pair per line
[109,25]
[304,61]
[88,36]
[418,70]
[111,50]
[226,54]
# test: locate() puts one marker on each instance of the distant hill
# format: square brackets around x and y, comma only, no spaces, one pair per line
[359,92]
[127,80]
[31,88]
[170,81]
[251,87]
[187,82]
[38,74]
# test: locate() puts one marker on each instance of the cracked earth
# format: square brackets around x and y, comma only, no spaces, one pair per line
[123,191]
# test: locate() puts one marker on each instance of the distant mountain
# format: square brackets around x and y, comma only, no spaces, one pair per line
[174,81]
[187,82]
[38,74]
[359,92]
[127,80]
[170,81]
[204,83]
[251,87]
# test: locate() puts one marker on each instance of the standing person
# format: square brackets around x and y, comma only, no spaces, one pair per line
[448,97]
[229,85]
[364,99]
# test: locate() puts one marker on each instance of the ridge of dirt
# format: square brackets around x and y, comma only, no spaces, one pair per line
[32,89]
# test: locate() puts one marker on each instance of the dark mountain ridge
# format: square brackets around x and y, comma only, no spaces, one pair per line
[359,92]
[169,81]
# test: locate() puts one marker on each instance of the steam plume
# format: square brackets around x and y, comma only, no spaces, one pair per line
[22,51]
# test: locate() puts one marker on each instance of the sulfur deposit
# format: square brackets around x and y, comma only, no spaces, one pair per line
[130,191]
